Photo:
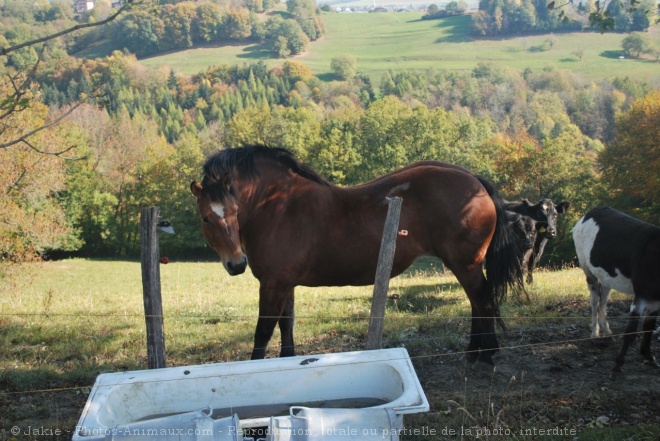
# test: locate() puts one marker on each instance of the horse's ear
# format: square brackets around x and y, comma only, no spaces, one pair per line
[196,189]
[226,181]
[526,203]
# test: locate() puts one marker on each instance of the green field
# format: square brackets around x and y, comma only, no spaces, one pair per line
[403,41]
[62,323]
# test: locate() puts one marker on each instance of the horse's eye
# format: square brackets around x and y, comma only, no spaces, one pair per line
[205,220]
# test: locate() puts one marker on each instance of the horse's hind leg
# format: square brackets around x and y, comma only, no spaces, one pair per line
[483,342]
[287,321]
[272,303]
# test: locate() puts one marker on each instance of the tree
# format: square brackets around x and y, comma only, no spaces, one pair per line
[636,44]
[254,5]
[178,26]
[281,47]
[127,6]
[141,32]
[336,154]
[613,15]
[306,14]
[236,24]
[344,66]
[297,71]
[207,22]
[383,137]
[579,53]
[455,8]
[631,164]
[286,36]
[301,8]
[33,219]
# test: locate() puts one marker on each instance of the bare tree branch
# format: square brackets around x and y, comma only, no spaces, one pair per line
[11,102]
[23,138]
[18,101]
[58,154]
[14,184]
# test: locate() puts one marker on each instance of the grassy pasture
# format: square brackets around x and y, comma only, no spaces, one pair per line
[403,41]
[62,323]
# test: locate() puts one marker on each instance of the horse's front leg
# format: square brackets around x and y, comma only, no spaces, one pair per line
[287,321]
[472,350]
[272,301]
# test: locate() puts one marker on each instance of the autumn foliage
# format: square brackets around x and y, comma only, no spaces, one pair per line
[631,164]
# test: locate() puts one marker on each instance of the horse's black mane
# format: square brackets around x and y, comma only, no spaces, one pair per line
[242,160]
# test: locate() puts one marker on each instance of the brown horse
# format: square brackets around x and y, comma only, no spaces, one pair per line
[260,205]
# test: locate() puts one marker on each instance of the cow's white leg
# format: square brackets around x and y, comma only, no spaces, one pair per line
[594,290]
[602,311]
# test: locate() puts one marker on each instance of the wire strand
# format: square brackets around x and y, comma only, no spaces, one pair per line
[280,369]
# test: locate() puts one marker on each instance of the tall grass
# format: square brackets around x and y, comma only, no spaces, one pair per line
[91,312]
[87,315]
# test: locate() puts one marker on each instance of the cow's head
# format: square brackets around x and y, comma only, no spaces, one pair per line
[545,214]
[524,227]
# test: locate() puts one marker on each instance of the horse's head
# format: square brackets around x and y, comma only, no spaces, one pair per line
[218,212]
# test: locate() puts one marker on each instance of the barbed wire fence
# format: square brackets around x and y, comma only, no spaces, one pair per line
[554,324]
[154,317]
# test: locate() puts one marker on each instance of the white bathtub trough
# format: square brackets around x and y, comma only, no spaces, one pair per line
[350,395]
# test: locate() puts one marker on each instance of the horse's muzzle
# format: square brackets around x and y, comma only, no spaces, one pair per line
[236,268]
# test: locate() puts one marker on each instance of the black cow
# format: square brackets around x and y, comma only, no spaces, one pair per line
[545,214]
[524,227]
[617,251]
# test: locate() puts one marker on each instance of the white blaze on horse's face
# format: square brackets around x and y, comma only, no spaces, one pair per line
[219,209]
[220,229]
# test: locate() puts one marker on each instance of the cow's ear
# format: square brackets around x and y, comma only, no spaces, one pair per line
[563,207]
[526,203]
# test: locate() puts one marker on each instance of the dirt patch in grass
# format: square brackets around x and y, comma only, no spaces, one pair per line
[547,383]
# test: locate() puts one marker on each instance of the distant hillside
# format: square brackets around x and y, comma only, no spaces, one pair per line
[402,40]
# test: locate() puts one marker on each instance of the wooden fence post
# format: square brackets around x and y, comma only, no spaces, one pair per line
[383,273]
[153,306]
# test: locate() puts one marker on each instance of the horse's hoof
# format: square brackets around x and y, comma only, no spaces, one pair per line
[652,363]
[481,366]
[470,357]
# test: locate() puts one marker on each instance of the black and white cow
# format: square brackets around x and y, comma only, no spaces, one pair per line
[545,213]
[617,251]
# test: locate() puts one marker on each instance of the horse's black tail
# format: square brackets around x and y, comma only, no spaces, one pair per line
[504,270]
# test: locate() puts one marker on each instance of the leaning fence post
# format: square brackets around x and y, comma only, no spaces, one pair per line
[383,273]
[153,306]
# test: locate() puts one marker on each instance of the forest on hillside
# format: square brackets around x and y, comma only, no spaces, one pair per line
[131,137]
[499,18]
